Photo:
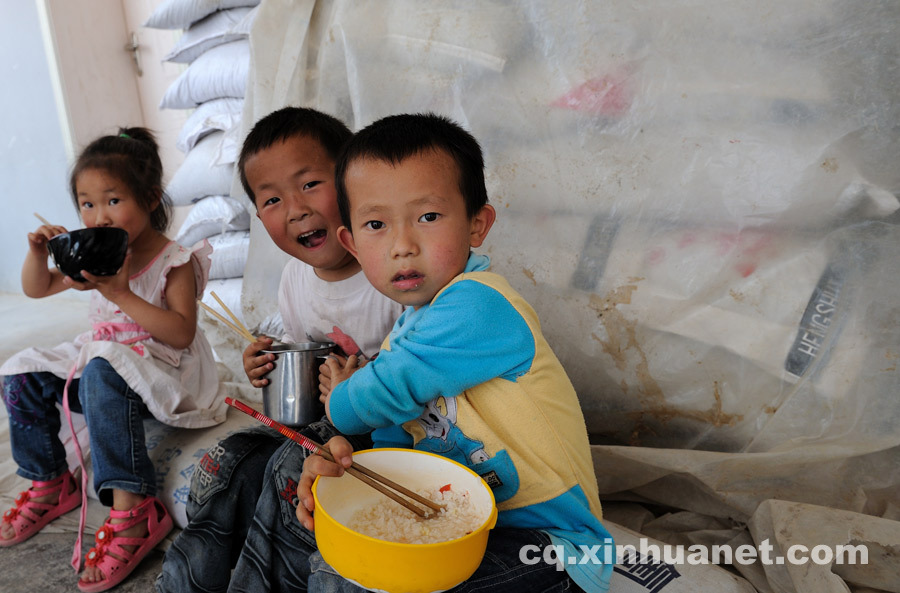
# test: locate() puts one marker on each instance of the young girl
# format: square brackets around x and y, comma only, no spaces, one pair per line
[144,358]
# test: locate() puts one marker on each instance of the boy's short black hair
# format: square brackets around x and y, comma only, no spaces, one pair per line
[397,137]
[289,122]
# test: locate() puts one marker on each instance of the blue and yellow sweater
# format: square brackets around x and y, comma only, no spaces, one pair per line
[471,377]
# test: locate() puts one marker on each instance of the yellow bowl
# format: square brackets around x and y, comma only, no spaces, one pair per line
[389,566]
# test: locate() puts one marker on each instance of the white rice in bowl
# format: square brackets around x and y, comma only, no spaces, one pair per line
[390,521]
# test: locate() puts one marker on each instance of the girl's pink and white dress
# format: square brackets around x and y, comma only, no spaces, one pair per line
[180,386]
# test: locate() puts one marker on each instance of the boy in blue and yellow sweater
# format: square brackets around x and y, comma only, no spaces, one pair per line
[466,372]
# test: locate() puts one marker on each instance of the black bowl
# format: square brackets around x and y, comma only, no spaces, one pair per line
[97,250]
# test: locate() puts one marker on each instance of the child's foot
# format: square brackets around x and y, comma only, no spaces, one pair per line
[92,573]
[37,506]
[123,541]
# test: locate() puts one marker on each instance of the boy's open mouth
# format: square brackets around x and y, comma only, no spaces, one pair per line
[407,280]
[313,238]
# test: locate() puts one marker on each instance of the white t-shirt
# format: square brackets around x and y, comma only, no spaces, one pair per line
[314,310]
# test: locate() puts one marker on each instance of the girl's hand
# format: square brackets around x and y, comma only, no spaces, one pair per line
[113,288]
[316,465]
[37,241]
[39,279]
[257,366]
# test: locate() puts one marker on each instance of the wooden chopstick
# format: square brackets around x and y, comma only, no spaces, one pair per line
[376,480]
[373,479]
[42,219]
[234,317]
[222,318]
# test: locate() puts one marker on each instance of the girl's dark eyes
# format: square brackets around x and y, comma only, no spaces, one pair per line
[311,184]
[272,200]
[429,217]
[374,225]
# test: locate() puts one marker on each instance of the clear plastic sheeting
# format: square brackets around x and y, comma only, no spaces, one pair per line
[699,199]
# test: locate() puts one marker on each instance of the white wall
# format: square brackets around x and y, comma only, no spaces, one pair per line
[35,147]
[33,159]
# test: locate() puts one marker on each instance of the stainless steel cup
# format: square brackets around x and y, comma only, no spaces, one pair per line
[292,395]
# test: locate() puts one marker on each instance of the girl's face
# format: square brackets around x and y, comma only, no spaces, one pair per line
[104,200]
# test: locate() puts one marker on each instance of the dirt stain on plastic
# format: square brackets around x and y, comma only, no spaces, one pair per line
[530,275]
[620,332]
[620,344]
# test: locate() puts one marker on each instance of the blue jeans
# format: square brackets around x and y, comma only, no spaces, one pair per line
[224,501]
[114,415]
[501,570]
[225,487]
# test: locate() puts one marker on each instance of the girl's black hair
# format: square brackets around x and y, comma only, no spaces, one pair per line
[397,137]
[289,122]
[132,156]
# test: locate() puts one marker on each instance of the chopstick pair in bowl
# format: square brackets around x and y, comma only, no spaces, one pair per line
[381,483]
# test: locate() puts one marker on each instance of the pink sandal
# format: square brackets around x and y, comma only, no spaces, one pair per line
[118,566]
[29,517]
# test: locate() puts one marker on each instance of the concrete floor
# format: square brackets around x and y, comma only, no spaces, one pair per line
[42,563]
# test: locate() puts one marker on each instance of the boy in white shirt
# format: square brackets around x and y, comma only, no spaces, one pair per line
[243,492]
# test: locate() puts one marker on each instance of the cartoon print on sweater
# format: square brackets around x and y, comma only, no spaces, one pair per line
[436,431]
[344,342]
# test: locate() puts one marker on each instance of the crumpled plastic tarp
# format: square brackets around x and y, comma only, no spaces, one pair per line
[699,198]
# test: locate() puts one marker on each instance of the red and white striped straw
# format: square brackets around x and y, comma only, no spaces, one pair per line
[291,434]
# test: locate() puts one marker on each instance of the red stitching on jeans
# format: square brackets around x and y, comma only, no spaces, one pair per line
[209,466]
[290,491]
